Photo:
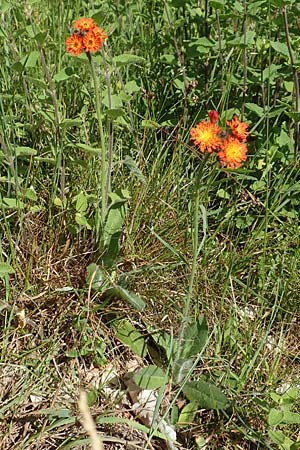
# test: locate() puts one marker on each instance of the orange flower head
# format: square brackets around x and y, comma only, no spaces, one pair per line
[84,24]
[99,32]
[206,136]
[233,153]
[91,42]
[238,128]
[74,44]
[213,116]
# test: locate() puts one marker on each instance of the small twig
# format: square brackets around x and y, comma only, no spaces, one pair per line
[88,423]
[295,77]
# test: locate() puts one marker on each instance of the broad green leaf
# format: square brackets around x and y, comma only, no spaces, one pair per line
[115,113]
[82,221]
[89,149]
[275,417]
[163,340]
[150,377]
[25,151]
[129,335]
[207,395]
[70,123]
[81,202]
[30,60]
[12,203]
[294,115]
[217,4]
[113,102]
[31,194]
[129,296]
[281,48]
[131,87]
[168,59]
[255,108]
[280,439]
[187,415]
[194,338]
[5,269]
[41,37]
[221,193]
[150,124]
[291,417]
[181,369]
[65,74]
[113,226]
[128,58]
[97,277]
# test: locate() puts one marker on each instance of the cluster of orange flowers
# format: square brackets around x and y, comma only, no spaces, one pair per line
[87,37]
[231,150]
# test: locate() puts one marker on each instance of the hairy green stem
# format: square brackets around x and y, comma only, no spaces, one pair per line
[195,242]
[102,144]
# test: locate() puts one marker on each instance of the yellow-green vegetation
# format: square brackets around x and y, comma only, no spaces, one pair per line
[149,227]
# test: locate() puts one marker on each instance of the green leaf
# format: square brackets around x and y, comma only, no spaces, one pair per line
[113,226]
[163,340]
[217,4]
[150,124]
[115,113]
[150,377]
[70,123]
[89,149]
[181,369]
[206,395]
[131,87]
[280,48]
[129,335]
[31,194]
[294,115]
[97,277]
[129,296]
[255,108]
[30,60]
[113,102]
[275,417]
[81,202]
[25,151]
[5,269]
[194,338]
[291,417]
[65,74]
[280,439]
[187,415]
[128,58]
[221,193]
[81,220]
[12,203]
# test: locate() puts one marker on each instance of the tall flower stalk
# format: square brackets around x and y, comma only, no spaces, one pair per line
[89,38]
[231,151]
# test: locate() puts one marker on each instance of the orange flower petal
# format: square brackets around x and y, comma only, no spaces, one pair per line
[84,24]
[99,32]
[238,128]
[91,42]
[74,44]
[206,136]
[233,153]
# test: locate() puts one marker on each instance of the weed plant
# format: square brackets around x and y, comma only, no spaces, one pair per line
[92,286]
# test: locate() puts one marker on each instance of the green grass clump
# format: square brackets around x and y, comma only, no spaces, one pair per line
[139,266]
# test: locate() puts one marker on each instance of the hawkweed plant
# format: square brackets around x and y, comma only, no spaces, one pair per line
[88,38]
[231,150]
